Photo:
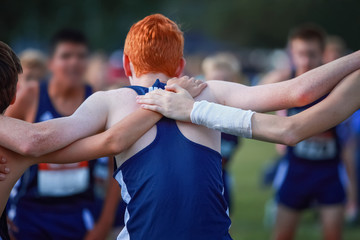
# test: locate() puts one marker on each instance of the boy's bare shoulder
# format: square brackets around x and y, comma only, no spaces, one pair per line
[126,94]
[120,100]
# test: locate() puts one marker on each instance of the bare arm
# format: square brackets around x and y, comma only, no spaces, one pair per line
[109,143]
[113,141]
[299,91]
[41,138]
[339,105]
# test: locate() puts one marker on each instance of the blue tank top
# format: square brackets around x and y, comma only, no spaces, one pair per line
[321,148]
[53,184]
[173,188]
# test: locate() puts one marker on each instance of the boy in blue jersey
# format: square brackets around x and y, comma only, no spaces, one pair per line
[69,203]
[311,173]
[112,141]
[171,177]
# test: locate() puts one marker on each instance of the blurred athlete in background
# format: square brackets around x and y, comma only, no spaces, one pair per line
[34,64]
[224,66]
[49,195]
[312,162]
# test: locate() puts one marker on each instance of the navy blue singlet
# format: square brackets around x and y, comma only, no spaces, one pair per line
[173,188]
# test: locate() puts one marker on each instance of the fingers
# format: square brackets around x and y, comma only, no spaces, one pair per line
[174,88]
[150,99]
[154,108]
[4,169]
[2,177]
[202,85]
[147,101]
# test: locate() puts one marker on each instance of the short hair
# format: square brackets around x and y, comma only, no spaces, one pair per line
[309,32]
[33,58]
[223,60]
[10,67]
[67,35]
[155,44]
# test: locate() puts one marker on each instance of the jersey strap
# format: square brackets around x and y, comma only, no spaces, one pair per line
[143,90]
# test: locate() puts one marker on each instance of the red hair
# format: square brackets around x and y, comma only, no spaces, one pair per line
[155,45]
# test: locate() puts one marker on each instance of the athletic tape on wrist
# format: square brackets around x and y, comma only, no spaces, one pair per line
[222,118]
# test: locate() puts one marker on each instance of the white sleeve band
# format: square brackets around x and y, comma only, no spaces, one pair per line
[222,118]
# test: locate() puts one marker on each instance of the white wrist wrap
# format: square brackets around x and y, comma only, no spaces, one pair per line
[222,118]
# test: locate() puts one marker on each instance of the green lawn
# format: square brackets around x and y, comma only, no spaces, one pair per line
[249,198]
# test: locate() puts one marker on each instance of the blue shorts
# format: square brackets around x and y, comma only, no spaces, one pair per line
[302,184]
[60,222]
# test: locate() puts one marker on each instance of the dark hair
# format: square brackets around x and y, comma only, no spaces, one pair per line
[67,35]
[10,67]
[309,32]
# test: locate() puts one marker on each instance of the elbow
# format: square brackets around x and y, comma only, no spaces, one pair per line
[290,136]
[303,97]
[114,143]
[32,147]
[29,150]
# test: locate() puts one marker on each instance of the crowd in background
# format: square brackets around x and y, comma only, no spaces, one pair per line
[104,71]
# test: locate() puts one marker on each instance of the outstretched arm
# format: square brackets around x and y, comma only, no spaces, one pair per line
[45,137]
[111,142]
[299,91]
[41,138]
[339,105]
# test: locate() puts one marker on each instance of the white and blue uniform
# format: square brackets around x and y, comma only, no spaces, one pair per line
[173,188]
[311,172]
[53,201]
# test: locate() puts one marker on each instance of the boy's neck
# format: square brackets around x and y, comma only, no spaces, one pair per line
[147,80]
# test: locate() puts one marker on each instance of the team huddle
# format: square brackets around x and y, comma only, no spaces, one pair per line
[165,134]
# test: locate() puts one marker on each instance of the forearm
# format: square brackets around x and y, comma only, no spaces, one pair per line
[272,128]
[341,103]
[111,142]
[41,138]
[314,84]
[17,135]
[37,139]
[299,91]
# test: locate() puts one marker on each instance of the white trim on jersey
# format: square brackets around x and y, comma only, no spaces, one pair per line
[88,219]
[124,234]
[280,175]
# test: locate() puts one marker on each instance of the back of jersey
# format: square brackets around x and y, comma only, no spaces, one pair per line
[173,188]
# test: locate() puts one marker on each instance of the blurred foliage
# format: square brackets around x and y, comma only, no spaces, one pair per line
[239,23]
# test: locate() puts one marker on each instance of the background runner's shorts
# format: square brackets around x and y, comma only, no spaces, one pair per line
[301,184]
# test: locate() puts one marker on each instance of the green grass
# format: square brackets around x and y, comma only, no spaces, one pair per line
[250,198]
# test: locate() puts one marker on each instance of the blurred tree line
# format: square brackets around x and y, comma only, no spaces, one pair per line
[238,23]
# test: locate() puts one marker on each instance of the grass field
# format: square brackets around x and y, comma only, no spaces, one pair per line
[250,198]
